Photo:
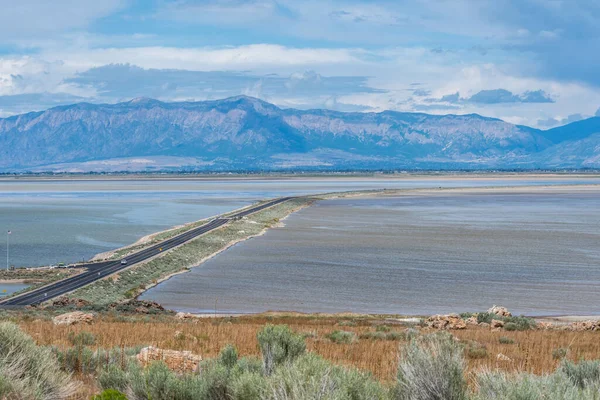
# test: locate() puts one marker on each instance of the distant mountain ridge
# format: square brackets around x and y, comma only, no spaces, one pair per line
[244,133]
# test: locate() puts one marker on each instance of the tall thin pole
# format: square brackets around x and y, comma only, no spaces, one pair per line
[7,248]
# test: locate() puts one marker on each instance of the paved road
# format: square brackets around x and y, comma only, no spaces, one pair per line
[101,270]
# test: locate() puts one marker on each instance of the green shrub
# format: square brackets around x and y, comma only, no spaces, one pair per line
[113,377]
[476,350]
[521,323]
[341,337]
[432,368]
[560,353]
[410,333]
[511,326]
[486,317]
[382,328]
[228,356]
[279,345]
[347,323]
[582,374]
[110,394]
[28,371]
[248,386]
[506,340]
[312,377]
[504,386]
[82,339]
[395,336]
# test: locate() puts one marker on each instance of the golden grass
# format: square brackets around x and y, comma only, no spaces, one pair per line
[532,350]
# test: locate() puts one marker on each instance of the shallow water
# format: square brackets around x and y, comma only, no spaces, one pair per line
[70,220]
[9,288]
[536,253]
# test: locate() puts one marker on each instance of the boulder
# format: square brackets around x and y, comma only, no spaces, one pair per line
[581,326]
[184,315]
[65,301]
[484,325]
[177,361]
[471,320]
[502,357]
[446,322]
[497,324]
[72,318]
[500,311]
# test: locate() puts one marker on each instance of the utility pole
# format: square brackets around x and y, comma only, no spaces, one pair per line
[7,248]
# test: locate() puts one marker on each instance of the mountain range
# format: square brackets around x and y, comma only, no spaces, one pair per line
[247,134]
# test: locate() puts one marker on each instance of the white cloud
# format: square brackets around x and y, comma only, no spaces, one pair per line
[207,59]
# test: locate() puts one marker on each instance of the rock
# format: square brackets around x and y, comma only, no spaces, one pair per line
[184,315]
[502,357]
[446,322]
[66,301]
[497,324]
[471,320]
[544,325]
[484,325]
[500,311]
[584,326]
[178,361]
[72,318]
[138,307]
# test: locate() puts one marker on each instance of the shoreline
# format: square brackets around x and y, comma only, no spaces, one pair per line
[280,215]
[557,319]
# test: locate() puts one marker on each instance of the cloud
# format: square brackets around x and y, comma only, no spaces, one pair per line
[125,81]
[553,122]
[496,96]
[208,58]
[451,98]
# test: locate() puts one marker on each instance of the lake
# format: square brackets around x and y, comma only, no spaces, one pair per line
[535,252]
[68,220]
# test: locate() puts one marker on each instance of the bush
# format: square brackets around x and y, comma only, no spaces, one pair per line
[110,394]
[583,374]
[432,367]
[395,336]
[341,337]
[519,323]
[372,335]
[504,386]
[113,377]
[228,356]
[28,371]
[248,386]
[560,353]
[511,326]
[382,328]
[476,350]
[506,340]
[82,339]
[279,345]
[312,377]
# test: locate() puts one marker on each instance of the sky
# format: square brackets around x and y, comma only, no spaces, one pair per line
[530,62]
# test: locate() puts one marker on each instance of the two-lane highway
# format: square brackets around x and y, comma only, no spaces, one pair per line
[98,271]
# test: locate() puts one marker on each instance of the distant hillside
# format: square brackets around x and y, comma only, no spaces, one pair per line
[244,133]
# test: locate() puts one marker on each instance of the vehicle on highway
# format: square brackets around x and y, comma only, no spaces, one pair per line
[123,262]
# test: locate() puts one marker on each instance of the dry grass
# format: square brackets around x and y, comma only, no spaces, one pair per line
[532,350]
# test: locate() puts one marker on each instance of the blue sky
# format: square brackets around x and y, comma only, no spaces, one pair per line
[530,62]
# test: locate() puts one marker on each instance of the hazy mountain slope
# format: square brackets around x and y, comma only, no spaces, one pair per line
[247,133]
